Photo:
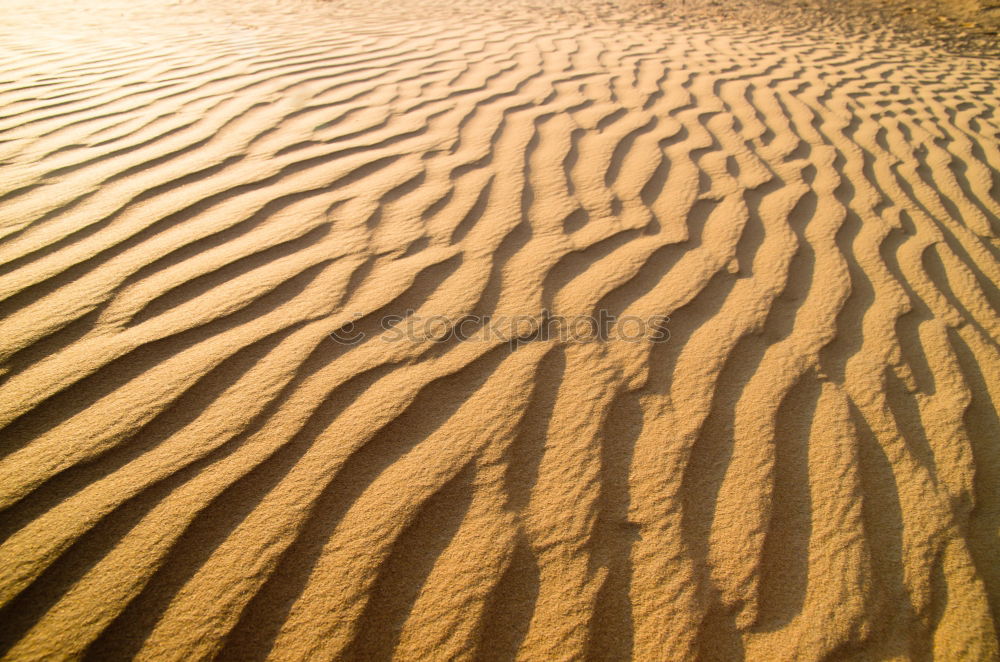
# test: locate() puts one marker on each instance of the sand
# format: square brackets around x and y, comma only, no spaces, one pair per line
[214,446]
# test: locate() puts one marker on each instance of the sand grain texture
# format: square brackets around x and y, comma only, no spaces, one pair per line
[195,196]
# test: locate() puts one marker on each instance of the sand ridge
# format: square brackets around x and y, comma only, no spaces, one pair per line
[199,199]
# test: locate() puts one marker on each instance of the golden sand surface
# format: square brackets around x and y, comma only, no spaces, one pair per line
[212,446]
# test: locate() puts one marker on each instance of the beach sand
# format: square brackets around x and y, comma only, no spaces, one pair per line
[237,419]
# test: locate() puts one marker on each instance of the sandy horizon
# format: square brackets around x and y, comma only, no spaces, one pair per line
[495,330]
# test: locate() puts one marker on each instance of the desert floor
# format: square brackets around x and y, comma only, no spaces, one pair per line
[279,377]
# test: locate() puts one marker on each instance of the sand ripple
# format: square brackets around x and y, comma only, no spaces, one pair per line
[196,200]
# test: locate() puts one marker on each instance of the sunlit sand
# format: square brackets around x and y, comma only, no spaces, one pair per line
[279,376]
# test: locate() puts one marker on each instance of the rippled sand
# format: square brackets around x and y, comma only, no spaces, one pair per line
[197,200]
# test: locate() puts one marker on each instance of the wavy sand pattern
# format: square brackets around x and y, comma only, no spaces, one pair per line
[194,197]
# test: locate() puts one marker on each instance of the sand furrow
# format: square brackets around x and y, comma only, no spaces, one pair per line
[502,330]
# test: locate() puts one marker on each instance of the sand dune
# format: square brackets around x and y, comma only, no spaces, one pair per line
[201,202]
